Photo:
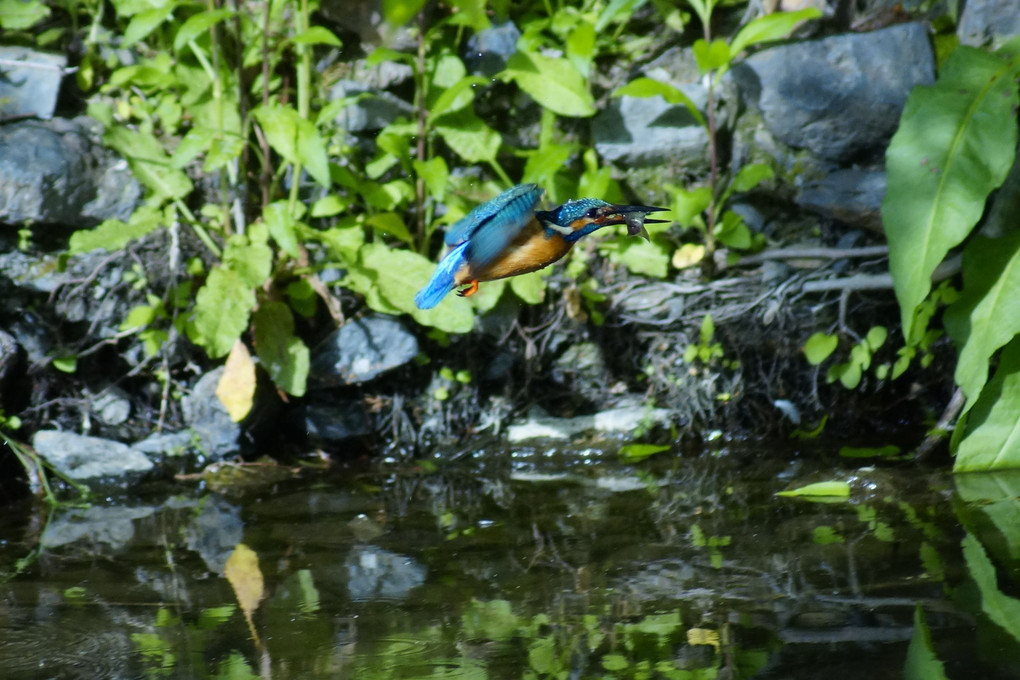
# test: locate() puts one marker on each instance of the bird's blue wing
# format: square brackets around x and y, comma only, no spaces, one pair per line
[508,212]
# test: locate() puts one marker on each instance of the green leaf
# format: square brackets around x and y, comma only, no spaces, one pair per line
[393,278]
[474,10]
[826,535]
[877,335]
[636,452]
[435,175]
[638,256]
[317,35]
[552,82]
[834,489]
[468,136]
[456,97]
[296,139]
[17,15]
[529,287]
[149,162]
[197,141]
[889,451]
[711,56]
[689,205]
[992,438]
[955,144]
[390,224]
[198,24]
[769,28]
[750,176]
[284,356]
[987,314]
[732,232]
[399,12]
[820,347]
[252,260]
[646,87]
[222,308]
[139,317]
[281,225]
[615,662]
[144,23]
[66,364]
[112,235]
[922,664]
[1003,610]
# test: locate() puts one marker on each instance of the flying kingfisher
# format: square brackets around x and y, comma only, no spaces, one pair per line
[506,236]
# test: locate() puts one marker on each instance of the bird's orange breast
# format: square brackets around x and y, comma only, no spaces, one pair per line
[533,249]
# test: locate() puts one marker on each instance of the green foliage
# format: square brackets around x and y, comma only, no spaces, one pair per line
[956,142]
[707,208]
[833,489]
[922,664]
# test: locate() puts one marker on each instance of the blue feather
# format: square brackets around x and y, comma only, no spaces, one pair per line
[442,281]
[492,225]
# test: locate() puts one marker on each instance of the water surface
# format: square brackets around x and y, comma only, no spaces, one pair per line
[537,564]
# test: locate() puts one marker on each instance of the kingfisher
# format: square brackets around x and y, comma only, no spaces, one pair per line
[507,236]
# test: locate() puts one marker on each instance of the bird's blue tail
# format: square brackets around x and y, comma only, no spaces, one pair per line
[442,281]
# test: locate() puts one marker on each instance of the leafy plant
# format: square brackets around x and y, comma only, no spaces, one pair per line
[706,207]
[955,145]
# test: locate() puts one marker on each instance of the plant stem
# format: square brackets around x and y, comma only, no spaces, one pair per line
[708,261]
[421,114]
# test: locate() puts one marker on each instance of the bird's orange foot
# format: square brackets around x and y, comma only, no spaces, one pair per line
[469,291]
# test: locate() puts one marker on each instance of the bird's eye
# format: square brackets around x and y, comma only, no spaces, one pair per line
[592,213]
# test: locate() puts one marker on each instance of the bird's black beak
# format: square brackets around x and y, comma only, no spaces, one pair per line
[634,216]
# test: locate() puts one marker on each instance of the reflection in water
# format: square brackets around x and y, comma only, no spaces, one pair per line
[544,565]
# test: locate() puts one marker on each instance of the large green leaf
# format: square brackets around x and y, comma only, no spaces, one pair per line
[992,497]
[284,356]
[987,314]
[992,440]
[1003,610]
[296,139]
[955,144]
[552,82]
[17,15]
[646,87]
[770,28]
[112,235]
[149,162]
[922,664]
[222,308]
[469,136]
[394,276]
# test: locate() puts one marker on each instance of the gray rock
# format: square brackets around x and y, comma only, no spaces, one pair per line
[617,420]
[335,420]
[91,460]
[840,97]
[113,526]
[582,368]
[215,435]
[374,574]
[852,196]
[371,109]
[488,51]
[360,350]
[12,371]
[984,22]
[165,444]
[113,407]
[30,82]
[55,172]
[648,131]
[214,532]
